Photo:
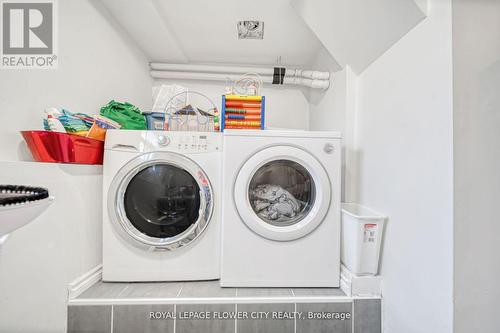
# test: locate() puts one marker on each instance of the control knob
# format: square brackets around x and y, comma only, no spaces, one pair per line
[163,140]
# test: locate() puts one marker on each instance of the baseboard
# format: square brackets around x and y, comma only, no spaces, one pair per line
[84,282]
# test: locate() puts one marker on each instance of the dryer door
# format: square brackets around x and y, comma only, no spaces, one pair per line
[282,193]
[160,201]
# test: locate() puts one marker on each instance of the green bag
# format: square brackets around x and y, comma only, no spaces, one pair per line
[126,114]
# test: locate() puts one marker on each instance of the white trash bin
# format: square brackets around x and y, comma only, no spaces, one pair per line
[362,231]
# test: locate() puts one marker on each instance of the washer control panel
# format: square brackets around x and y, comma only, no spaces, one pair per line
[186,142]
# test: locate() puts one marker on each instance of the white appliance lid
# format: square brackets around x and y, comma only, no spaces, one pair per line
[284,133]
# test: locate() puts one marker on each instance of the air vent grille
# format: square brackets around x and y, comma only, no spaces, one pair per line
[251,30]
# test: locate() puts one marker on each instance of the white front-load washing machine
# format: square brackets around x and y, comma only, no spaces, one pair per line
[161,215]
[281,209]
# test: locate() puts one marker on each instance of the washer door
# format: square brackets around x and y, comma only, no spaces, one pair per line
[161,201]
[282,193]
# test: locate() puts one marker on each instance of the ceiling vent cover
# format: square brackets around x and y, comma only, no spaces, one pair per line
[251,30]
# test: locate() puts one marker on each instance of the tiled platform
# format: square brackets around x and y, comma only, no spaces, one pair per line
[151,307]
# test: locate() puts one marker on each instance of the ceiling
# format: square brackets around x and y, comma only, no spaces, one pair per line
[353,32]
[357,32]
[204,31]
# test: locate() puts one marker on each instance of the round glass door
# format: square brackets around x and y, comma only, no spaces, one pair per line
[163,200]
[282,193]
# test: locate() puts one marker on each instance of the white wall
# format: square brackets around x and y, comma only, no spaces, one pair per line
[476,57]
[39,260]
[96,64]
[285,107]
[334,110]
[405,160]
[328,108]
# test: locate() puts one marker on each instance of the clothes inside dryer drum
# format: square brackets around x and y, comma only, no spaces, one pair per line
[162,201]
[282,192]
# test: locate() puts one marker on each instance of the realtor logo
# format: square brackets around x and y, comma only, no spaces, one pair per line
[28,34]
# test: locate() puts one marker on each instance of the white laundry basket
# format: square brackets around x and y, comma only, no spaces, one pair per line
[362,231]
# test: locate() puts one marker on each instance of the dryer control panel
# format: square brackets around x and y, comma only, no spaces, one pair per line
[185,142]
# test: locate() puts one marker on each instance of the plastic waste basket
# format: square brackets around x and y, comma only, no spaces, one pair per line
[362,231]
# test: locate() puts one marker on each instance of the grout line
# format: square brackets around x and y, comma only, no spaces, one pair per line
[236,318]
[236,312]
[112,317]
[123,290]
[352,317]
[211,300]
[179,293]
[295,317]
[382,314]
[175,317]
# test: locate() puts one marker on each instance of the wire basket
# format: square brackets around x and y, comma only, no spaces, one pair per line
[191,111]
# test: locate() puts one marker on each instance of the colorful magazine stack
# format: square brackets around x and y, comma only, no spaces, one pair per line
[242,112]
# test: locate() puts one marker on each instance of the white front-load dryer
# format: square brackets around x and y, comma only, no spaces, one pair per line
[161,215]
[281,209]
